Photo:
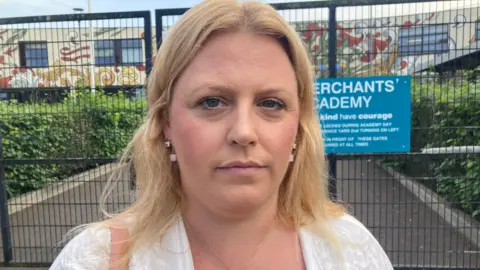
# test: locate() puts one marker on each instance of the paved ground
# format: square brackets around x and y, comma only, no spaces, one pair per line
[38,231]
[409,231]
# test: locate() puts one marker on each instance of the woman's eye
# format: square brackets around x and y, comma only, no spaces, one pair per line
[211,103]
[272,104]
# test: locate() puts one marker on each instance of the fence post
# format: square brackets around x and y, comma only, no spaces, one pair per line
[148,43]
[159,27]
[4,218]
[332,70]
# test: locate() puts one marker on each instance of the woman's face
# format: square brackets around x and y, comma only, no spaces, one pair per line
[234,120]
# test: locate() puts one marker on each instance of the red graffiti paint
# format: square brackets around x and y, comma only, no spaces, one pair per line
[9,52]
[5,82]
[378,46]
[308,33]
[74,59]
[320,30]
[345,34]
[67,52]
[407,24]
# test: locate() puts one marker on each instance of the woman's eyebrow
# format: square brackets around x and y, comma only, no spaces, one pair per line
[279,90]
[222,88]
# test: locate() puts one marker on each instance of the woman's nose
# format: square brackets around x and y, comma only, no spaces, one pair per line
[242,130]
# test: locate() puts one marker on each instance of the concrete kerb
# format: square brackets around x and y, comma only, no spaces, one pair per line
[463,223]
[26,200]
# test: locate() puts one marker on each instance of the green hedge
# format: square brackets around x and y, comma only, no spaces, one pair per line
[446,113]
[89,125]
[83,125]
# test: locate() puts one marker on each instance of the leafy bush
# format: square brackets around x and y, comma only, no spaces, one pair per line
[446,113]
[83,125]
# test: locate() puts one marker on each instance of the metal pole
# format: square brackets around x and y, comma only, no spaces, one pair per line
[159,28]
[332,176]
[148,43]
[370,40]
[332,68]
[4,217]
[92,50]
[332,42]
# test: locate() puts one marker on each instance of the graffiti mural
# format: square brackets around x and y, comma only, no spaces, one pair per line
[371,47]
[364,47]
[69,61]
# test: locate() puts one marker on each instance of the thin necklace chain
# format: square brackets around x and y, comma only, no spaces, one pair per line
[218,256]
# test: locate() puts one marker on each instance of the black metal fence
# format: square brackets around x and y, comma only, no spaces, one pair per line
[72,96]
[422,206]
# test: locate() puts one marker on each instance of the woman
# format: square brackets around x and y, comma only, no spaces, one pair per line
[230,161]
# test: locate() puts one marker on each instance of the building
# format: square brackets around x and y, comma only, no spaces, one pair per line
[60,56]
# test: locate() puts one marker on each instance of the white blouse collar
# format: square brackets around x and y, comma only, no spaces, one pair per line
[177,248]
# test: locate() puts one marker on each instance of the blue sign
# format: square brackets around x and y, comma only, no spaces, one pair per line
[365,114]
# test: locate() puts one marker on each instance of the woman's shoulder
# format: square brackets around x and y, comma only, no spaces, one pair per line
[349,229]
[88,249]
[359,248]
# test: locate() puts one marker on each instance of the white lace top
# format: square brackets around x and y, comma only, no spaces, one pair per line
[90,250]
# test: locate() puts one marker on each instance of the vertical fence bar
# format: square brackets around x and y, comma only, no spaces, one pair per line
[148,43]
[158,27]
[4,218]
[332,42]
[332,70]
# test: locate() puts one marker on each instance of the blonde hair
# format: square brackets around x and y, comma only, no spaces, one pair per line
[303,198]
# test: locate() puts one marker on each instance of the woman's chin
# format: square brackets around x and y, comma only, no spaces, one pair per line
[241,201]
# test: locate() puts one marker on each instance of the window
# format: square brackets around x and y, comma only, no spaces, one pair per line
[432,39]
[118,52]
[33,54]
[104,52]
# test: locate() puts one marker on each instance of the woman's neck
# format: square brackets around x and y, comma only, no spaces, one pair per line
[212,223]
[231,238]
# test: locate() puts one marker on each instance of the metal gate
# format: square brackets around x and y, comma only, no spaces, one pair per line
[58,139]
[71,90]
[419,205]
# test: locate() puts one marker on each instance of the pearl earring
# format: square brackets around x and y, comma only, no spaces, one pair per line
[291,155]
[173,156]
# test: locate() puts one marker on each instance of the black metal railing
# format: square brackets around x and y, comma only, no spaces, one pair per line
[402,198]
[73,94]
[422,206]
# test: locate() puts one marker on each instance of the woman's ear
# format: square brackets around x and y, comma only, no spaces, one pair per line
[167,131]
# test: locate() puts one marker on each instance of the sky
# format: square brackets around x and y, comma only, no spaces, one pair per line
[18,8]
